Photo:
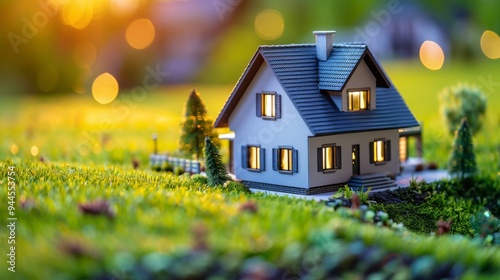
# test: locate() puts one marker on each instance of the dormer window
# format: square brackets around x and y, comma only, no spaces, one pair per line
[359,99]
[268,105]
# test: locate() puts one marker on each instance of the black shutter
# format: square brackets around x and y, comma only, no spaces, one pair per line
[244,157]
[370,148]
[258,105]
[388,150]
[295,161]
[275,159]
[320,160]
[277,100]
[338,154]
[262,159]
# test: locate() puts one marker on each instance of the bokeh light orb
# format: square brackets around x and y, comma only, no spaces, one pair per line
[490,44]
[14,149]
[269,24]
[431,55]
[105,88]
[47,78]
[140,33]
[85,55]
[77,13]
[34,151]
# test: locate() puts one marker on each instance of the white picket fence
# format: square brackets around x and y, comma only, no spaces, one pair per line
[191,166]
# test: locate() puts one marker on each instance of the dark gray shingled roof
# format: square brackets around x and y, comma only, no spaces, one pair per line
[302,77]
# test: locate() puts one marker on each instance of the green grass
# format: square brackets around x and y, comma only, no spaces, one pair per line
[155,215]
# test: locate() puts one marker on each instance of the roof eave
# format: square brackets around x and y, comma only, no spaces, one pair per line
[238,90]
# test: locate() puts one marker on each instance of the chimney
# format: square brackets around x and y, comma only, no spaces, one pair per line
[324,44]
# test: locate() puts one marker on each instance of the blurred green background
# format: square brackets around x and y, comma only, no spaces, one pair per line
[92,80]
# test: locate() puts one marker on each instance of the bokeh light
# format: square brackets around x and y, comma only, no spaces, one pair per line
[14,149]
[85,55]
[140,33]
[431,55]
[269,24]
[34,151]
[47,78]
[77,13]
[490,44]
[105,88]
[124,7]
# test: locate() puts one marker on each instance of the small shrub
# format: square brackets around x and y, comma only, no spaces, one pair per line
[236,186]
[199,179]
[178,171]
[168,167]
[432,166]
[419,167]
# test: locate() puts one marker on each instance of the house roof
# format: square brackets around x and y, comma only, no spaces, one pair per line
[303,78]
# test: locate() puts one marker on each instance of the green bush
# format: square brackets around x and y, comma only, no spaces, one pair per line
[236,186]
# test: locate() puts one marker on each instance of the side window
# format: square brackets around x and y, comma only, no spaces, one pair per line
[253,157]
[380,151]
[268,105]
[329,158]
[286,159]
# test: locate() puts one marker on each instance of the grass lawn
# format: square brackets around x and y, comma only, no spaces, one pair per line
[68,151]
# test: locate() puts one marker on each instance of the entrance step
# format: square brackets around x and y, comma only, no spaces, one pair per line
[374,180]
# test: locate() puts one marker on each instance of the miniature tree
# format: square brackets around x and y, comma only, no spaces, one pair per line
[196,127]
[214,167]
[463,160]
[463,101]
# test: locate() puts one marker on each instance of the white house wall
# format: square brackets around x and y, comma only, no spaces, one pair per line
[346,141]
[361,78]
[289,130]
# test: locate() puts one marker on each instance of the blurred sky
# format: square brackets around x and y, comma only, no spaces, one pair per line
[71,46]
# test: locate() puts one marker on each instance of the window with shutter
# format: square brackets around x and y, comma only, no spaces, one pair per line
[285,160]
[380,151]
[253,158]
[329,158]
[268,105]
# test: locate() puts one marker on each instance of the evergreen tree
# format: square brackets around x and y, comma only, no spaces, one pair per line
[215,169]
[196,127]
[463,160]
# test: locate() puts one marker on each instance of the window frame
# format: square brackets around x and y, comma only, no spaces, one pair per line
[386,153]
[260,105]
[368,98]
[336,158]
[245,157]
[294,160]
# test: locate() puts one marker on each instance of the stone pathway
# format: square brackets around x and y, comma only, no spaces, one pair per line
[403,180]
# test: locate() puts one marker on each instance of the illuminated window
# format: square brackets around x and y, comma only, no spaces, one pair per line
[285,159]
[252,158]
[359,100]
[268,105]
[329,158]
[380,151]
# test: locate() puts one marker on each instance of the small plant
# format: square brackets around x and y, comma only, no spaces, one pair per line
[215,169]
[463,159]
[347,193]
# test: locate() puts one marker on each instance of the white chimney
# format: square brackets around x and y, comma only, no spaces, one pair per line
[324,44]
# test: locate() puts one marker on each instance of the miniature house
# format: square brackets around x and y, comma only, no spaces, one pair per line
[309,118]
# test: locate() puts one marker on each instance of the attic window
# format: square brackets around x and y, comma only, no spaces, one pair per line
[359,100]
[268,105]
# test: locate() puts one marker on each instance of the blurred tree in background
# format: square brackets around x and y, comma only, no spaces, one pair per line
[196,127]
[463,101]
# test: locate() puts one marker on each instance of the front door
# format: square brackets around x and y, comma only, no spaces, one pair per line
[355,159]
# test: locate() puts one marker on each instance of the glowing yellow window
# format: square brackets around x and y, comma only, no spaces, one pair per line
[268,105]
[359,100]
[254,157]
[378,151]
[285,156]
[331,158]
